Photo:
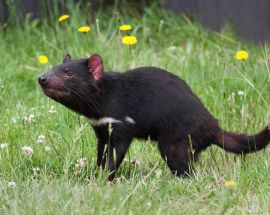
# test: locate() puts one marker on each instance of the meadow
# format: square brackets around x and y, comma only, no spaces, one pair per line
[60,176]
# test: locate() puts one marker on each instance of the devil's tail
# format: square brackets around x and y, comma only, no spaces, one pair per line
[241,143]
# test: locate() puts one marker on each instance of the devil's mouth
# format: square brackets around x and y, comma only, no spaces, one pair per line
[55,93]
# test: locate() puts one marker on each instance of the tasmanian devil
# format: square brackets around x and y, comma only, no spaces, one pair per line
[146,102]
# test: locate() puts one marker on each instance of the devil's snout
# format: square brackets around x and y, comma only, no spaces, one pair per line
[43,80]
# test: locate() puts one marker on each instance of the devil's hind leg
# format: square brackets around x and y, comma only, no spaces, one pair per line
[177,153]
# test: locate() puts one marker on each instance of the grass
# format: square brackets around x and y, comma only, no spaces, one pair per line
[206,60]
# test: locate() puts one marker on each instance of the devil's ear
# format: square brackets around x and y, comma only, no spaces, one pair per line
[67,58]
[95,66]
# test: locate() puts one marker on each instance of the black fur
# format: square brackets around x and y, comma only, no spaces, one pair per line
[162,105]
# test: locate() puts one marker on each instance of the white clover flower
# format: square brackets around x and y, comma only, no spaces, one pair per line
[29,119]
[240,93]
[172,48]
[35,172]
[14,119]
[52,109]
[36,169]
[12,185]
[41,138]
[19,105]
[81,162]
[79,166]
[47,149]
[231,97]
[27,151]
[3,145]
[148,204]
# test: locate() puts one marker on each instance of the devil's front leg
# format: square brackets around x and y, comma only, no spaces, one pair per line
[112,146]
[102,148]
[102,154]
[117,148]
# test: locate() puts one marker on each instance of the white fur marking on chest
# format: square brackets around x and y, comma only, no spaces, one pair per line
[129,120]
[104,120]
[107,120]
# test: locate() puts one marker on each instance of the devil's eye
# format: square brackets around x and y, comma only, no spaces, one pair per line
[69,74]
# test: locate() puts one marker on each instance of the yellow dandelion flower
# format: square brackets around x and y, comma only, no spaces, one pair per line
[84,29]
[63,18]
[241,55]
[230,184]
[43,59]
[129,40]
[125,27]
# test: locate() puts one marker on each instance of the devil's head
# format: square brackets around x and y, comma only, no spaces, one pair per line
[74,83]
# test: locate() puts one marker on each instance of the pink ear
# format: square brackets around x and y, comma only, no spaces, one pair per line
[95,66]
